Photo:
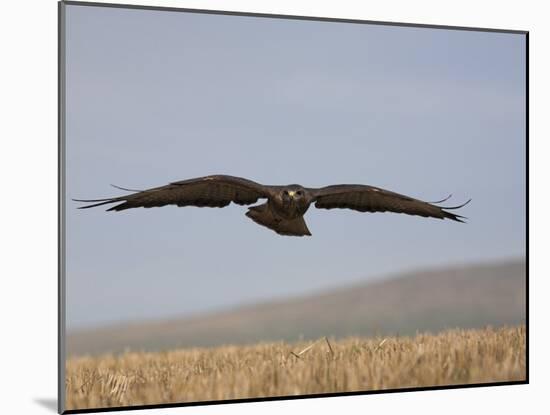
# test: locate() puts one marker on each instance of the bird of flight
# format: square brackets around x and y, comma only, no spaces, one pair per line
[286,205]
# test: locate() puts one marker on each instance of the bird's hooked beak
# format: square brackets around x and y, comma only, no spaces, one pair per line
[291,193]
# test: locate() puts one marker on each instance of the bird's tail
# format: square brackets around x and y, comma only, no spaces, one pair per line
[263,215]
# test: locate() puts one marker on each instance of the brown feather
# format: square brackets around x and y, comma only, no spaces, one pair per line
[209,191]
[373,199]
[263,215]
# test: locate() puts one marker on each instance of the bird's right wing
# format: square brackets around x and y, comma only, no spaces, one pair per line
[209,191]
[373,199]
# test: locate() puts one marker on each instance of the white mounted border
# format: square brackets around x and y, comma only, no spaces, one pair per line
[28,175]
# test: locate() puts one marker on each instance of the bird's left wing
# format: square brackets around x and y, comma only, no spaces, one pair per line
[209,191]
[373,199]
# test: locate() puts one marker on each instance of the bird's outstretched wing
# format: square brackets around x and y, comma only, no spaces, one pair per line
[209,191]
[373,199]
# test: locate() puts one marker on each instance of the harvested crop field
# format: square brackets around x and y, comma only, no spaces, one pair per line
[282,369]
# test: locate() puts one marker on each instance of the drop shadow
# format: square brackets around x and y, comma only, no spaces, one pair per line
[47,403]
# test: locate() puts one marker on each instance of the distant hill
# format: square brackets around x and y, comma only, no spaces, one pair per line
[467,297]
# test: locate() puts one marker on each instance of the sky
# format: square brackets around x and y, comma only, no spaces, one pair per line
[154,97]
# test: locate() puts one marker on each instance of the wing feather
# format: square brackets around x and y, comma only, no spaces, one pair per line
[374,199]
[208,191]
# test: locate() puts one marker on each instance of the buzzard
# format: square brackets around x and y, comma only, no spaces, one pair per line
[286,205]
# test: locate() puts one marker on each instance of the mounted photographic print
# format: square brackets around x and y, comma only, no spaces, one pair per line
[260,206]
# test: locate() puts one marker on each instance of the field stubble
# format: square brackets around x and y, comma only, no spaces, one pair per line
[278,369]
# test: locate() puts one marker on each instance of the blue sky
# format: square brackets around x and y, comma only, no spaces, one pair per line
[154,97]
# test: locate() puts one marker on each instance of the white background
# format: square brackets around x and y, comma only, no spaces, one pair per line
[28,219]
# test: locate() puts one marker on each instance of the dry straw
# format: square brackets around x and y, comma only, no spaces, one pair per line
[274,369]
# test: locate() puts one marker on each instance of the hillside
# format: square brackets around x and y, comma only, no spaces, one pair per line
[465,297]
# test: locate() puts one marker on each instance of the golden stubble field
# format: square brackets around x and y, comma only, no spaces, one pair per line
[279,369]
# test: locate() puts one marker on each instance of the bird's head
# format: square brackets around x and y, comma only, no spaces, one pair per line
[293,192]
[295,197]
